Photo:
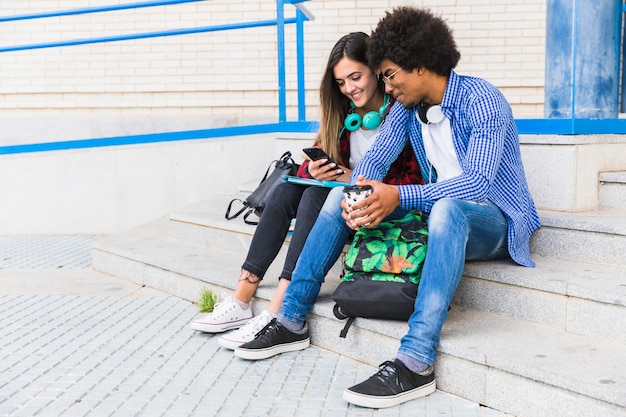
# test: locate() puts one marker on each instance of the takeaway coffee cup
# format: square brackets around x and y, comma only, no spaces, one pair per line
[356,193]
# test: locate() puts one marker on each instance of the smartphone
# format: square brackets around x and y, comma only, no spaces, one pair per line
[316,153]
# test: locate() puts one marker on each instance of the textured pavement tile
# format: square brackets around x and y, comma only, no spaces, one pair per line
[74,342]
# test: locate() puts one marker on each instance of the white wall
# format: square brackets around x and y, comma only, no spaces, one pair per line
[107,190]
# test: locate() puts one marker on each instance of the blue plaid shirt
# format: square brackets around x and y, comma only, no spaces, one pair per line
[487,144]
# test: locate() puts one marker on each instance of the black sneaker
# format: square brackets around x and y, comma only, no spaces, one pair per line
[393,384]
[272,340]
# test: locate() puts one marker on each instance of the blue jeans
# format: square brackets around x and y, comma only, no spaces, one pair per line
[321,250]
[459,230]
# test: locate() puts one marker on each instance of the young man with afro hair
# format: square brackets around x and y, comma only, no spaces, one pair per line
[466,142]
[462,130]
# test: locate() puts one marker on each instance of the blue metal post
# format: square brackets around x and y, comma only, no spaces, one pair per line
[582,62]
[300,19]
[622,48]
[280,44]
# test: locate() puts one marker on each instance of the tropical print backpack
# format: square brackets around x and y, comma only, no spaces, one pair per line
[382,270]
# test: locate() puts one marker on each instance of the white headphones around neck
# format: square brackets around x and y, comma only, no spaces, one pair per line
[428,114]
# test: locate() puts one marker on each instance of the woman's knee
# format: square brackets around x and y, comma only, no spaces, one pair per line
[315,196]
[285,198]
[285,192]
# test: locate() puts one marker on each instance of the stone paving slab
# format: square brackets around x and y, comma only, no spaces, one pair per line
[80,343]
[46,251]
[73,355]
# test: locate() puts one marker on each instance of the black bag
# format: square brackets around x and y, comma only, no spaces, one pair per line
[382,271]
[255,202]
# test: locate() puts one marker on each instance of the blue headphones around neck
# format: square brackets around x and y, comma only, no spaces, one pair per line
[370,121]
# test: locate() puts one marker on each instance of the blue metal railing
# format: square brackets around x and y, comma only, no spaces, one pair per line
[283,125]
[171,32]
[97,9]
[526,126]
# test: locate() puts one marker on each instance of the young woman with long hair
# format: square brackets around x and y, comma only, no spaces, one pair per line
[353,106]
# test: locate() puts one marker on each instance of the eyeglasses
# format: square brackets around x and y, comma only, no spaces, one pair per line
[387,78]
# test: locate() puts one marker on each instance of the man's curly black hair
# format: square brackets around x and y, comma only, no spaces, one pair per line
[413,38]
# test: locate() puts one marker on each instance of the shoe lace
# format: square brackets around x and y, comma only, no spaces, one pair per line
[254,326]
[387,371]
[273,324]
[223,305]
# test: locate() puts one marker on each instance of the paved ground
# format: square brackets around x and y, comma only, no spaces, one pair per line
[74,342]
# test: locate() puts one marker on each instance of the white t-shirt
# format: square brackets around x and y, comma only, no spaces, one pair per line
[360,142]
[440,149]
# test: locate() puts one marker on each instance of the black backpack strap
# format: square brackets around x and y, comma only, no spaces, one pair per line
[228,216]
[245,218]
[267,171]
[344,332]
[286,157]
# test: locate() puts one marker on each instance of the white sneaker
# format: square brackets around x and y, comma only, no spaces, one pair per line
[246,333]
[226,315]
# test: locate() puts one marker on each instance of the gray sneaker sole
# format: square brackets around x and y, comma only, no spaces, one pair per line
[228,344]
[218,328]
[371,401]
[256,354]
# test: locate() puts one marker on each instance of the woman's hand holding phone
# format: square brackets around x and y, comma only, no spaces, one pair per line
[322,170]
[322,166]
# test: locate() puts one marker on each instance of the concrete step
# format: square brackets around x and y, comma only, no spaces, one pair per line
[563,294]
[181,258]
[480,354]
[596,236]
[577,297]
[553,333]
[530,370]
[612,190]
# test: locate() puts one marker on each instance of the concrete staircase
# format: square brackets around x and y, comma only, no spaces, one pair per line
[532,342]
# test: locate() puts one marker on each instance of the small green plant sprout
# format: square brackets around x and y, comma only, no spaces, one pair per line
[207,301]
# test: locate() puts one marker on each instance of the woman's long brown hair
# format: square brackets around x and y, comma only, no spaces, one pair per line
[333,104]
